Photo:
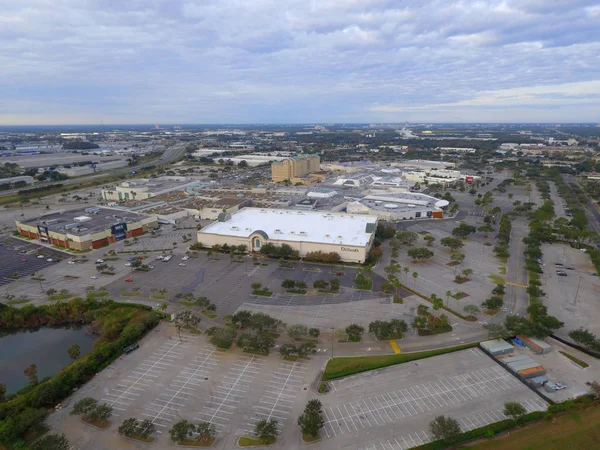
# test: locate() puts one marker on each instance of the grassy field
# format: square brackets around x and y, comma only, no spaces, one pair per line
[578,430]
[341,367]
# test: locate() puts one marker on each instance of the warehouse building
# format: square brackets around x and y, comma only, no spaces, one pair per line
[86,229]
[306,231]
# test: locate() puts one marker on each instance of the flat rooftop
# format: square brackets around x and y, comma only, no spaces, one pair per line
[103,219]
[291,225]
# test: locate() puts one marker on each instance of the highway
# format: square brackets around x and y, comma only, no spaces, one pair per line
[169,155]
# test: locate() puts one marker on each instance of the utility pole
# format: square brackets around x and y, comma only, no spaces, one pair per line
[577,292]
[332,330]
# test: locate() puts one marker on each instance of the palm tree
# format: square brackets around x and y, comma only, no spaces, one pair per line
[406,270]
[448,294]
[415,275]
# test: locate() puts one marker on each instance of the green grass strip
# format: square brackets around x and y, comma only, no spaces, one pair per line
[342,367]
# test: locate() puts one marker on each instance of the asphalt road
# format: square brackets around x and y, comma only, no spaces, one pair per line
[171,154]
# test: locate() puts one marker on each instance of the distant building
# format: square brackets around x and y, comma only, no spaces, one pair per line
[142,188]
[86,229]
[295,167]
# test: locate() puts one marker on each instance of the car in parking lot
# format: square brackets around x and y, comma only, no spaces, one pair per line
[40,256]
[558,265]
[71,262]
[570,268]
[23,260]
[49,260]
[185,258]
[99,261]
[561,273]
[129,280]
[182,264]
[94,277]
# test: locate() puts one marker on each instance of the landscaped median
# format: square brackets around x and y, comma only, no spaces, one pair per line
[342,367]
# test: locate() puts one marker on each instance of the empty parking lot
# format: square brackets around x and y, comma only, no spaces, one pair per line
[399,402]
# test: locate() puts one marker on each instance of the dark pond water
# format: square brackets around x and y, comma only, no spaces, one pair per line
[45,347]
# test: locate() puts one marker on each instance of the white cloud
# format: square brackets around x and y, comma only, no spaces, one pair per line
[269,60]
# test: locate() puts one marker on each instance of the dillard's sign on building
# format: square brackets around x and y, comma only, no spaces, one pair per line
[346,249]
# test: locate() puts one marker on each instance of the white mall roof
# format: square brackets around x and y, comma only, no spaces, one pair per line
[287,225]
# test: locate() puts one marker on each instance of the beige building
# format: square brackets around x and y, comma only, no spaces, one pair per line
[86,229]
[295,167]
[348,235]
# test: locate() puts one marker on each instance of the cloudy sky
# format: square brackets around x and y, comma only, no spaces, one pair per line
[267,61]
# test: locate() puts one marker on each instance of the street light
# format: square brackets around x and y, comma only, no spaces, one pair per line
[332,330]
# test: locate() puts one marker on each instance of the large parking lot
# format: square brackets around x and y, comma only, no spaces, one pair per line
[20,259]
[574,299]
[392,408]
[168,379]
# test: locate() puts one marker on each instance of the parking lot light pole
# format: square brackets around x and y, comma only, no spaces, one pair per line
[577,292]
[332,330]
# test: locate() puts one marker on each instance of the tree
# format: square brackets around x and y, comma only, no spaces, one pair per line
[463,230]
[448,295]
[594,388]
[437,302]
[181,431]
[288,350]
[51,442]
[311,420]
[495,331]
[74,351]
[420,253]
[128,427]
[467,272]
[84,406]
[429,238]
[297,331]
[471,309]
[307,348]
[493,302]
[2,392]
[354,332]
[514,410]
[415,275]
[585,338]
[457,257]
[145,429]
[419,323]
[243,318]
[444,428]
[406,237]
[314,332]
[288,284]
[243,163]
[266,430]
[31,373]
[206,431]
[102,413]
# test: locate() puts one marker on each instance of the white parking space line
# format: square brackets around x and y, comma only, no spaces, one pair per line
[224,402]
[279,396]
[142,376]
[418,399]
[162,410]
